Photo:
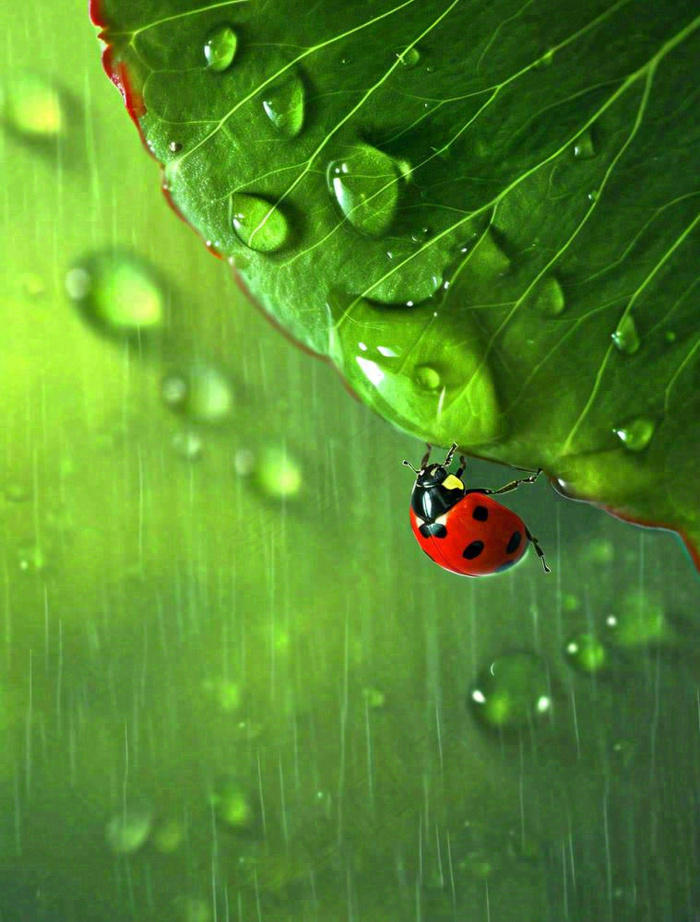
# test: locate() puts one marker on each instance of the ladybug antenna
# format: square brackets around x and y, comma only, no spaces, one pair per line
[408,464]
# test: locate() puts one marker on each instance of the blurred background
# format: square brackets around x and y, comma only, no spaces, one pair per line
[231,685]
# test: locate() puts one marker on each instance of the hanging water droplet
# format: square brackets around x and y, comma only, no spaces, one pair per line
[626,337]
[259,225]
[636,434]
[365,187]
[31,106]
[514,691]
[117,292]
[586,653]
[220,48]
[584,148]
[549,297]
[427,377]
[409,57]
[283,103]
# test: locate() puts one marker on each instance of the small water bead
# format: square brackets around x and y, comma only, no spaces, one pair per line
[626,337]
[549,297]
[232,803]
[31,106]
[129,829]
[278,474]
[188,444]
[513,692]
[584,148]
[365,186]
[409,57]
[260,225]
[202,393]
[220,48]
[636,434]
[118,292]
[284,105]
[174,146]
[586,653]
[670,336]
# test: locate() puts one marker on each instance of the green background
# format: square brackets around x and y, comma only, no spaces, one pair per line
[166,623]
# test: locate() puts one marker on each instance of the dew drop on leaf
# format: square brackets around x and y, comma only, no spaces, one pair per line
[626,337]
[636,434]
[129,829]
[118,292]
[278,475]
[409,57]
[427,377]
[231,803]
[220,48]
[31,106]
[365,186]
[488,258]
[174,146]
[549,297]
[584,148]
[283,103]
[201,392]
[586,653]
[258,224]
[514,691]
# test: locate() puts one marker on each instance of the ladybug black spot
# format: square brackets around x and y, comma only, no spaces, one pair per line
[432,530]
[473,550]
[514,542]
[480,513]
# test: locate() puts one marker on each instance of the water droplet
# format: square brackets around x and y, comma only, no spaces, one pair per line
[421,235]
[129,829]
[31,106]
[220,48]
[375,699]
[670,336]
[513,692]
[117,292]
[546,59]
[244,462]
[168,836]
[636,434]
[202,393]
[427,377]
[626,337]
[640,620]
[259,225]
[586,653]
[174,146]
[549,297]
[584,148]
[409,57]
[283,103]
[365,186]
[32,558]
[278,474]
[592,195]
[488,258]
[188,444]
[231,803]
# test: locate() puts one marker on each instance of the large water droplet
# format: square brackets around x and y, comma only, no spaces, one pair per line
[220,48]
[549,297]
[259,225]
[428,377]
[283,103]
[636,434]
[31,106]
[278,474]
[513,692]
[626,337]
[639,620]
[584,148]
[365,186]
[586,653]
[118,292]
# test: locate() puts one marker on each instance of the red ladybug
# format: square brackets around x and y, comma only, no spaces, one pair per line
[466,531]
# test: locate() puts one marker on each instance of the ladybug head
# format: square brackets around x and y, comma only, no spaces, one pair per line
[431,476]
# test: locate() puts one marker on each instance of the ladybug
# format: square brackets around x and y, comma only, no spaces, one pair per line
[465,531]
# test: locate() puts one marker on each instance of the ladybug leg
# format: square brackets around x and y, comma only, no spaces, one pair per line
[462,465]
[426,456]
[538,549]
[514,484]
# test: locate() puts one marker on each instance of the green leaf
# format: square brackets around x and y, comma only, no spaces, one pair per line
[486,214]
